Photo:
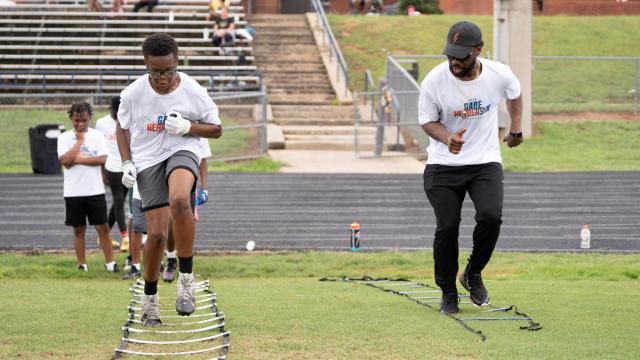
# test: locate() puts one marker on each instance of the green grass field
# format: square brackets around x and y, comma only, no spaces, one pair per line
[558,85]
[15,154]
[276,308]
[593,146]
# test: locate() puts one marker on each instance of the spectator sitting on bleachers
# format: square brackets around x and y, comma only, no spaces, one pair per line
[150,4]
[223,28]
[94,5]
[116,7]
[215,8]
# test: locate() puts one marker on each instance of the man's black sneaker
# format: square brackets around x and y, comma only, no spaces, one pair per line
[449,304]
[169,271]
[473,283]
[133,273]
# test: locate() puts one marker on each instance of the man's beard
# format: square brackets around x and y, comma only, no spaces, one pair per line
[466,71]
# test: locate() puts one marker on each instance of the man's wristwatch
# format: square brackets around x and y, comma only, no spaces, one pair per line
[516,134]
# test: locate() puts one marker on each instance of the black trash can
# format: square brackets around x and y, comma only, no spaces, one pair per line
[43,141]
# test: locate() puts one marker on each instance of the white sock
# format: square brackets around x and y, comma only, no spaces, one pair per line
[137,266]
[111,265]
[171,254]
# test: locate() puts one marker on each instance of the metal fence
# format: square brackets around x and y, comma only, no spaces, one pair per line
[334,49]
[567,83]
[244,120]
[386,117]
[560,84]
[243,115]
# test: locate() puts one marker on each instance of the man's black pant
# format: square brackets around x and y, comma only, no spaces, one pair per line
[446,187]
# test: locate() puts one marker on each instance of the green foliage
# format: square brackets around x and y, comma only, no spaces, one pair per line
[15,154]
[423,6]
[558,85]
[582,146]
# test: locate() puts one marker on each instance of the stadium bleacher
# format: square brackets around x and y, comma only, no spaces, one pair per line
[56,49]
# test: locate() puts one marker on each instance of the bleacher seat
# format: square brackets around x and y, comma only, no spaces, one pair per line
[57,47]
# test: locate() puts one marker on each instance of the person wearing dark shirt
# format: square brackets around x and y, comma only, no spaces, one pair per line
[223,28]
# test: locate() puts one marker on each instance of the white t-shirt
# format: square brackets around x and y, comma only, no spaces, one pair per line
[143,111]
[466,104]
[205,150]
[83,180]
[108,127]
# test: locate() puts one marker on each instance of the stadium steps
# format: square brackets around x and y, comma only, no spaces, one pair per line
[299,89]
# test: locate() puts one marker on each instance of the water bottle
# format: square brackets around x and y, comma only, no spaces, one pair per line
[205,33]
[171,16]
[355,236]
[585,237]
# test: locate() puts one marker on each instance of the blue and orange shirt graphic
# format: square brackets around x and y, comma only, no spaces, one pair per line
[158,125]
[471,109]
[85,152]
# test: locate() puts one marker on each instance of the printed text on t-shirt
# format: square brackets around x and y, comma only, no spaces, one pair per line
[157,126]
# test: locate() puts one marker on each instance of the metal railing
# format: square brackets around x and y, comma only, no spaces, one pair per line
[334,48]
[571,83]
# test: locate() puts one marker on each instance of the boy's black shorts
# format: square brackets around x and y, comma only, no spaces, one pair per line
[79,208]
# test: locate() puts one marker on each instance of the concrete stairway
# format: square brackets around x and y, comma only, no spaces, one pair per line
[300,93]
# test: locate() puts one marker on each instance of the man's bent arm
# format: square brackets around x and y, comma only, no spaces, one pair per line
[206,130]
[514,108]
[437,131]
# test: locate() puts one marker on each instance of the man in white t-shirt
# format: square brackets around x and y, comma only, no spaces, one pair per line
[113,172]
[162,115]
[82,152]
[458,109]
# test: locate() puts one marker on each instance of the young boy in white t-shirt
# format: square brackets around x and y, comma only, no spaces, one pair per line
[82,152]
[162,115]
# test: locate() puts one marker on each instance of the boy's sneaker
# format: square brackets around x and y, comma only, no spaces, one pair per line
[150,311]
[186,301]
[169,271]
[127,264]
[82,268]
[124,244]
[115,268]
[473,283]
[449,304]
[133,273]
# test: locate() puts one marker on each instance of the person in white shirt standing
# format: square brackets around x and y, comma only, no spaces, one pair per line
[113,172]
[162,115]
[82,152]
[458,109]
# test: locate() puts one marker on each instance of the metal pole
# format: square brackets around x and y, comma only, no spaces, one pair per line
[636,87]
[356,124]
[263,121]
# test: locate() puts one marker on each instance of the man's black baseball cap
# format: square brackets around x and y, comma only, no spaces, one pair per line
[463,37]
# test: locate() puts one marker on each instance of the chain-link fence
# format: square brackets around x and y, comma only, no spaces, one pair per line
[386,117]
[564,83]
[243,116]
[560,84]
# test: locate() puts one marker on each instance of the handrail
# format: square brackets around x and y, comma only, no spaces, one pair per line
[333,43]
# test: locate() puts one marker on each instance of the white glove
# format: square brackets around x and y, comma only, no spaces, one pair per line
[129,174]
[176,124]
